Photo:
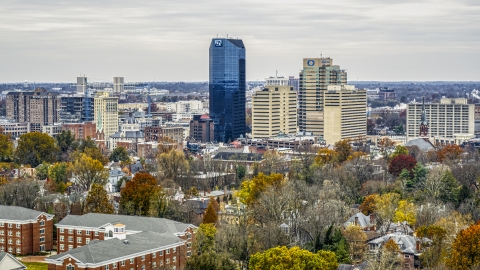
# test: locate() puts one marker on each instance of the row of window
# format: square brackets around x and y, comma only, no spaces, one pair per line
[18,241]
[18,226]
[70,239]
[79,232]
[10,249]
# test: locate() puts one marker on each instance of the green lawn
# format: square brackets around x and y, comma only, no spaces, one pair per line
[35,265]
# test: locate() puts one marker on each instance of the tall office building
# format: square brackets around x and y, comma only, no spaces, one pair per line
[274,111]
[82,85]
[76,108]
[118,84]
[316,75]
[38,108]
[106,114]
[345,113]
[227,88]
[450,121]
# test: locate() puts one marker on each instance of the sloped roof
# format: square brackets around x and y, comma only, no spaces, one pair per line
[422,144]
[364,221]
[4,255]
[133,223]
[98,251]
[406,243]
[19,213]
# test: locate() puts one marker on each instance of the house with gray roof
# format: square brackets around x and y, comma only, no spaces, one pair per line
[367,223]
[87,234]
[25,231]
[408,245]
[9,262]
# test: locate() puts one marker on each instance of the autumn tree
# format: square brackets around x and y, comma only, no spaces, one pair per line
[356,239]
[449,152]
[210,214]
[41,171]
[367,207]
[406,214]
[173,164]
[97,200]
[386,206]
[34,148]
[293,258]
[251,189]
[466,249]
[119,154]
[399,150]
[401,162]
[66,143]
[433,243]
[6,148]
[387,259]
[58,176]
[343,149]
[137,194]
[89,171]
[326,156]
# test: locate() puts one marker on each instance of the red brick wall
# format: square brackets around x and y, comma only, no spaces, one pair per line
[29,236]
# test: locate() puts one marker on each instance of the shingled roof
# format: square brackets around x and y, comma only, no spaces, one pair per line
[19,213]
[133,223]
[98,252]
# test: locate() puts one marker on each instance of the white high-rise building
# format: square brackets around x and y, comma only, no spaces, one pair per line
[82,85]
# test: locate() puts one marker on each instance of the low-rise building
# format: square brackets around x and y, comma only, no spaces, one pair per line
[9,262]
[103,241]
[25,231]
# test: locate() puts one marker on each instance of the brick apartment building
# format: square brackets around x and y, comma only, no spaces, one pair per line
[102,241]
[25,231]
[82,130]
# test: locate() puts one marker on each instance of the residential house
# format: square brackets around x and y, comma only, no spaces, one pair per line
[409,247]
[25,231]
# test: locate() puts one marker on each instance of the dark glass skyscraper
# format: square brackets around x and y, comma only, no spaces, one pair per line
[227,88]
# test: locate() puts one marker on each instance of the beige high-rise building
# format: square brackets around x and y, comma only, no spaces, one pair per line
[450,121]
[106,114]
[274,110]
[345,113]
[316,75]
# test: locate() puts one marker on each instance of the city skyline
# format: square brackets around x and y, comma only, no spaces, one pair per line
[166,41]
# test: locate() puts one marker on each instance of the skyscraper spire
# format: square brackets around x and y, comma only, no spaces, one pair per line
[423,121]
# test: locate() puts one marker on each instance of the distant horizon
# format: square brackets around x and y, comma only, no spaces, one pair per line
[373,40]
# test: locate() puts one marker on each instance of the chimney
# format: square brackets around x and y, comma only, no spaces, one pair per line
[204,193]
[418,246]
[209,190]
[372,219]
[356,221]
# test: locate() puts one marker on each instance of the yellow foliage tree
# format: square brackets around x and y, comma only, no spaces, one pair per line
[252,189]
[386,205]
[406,212]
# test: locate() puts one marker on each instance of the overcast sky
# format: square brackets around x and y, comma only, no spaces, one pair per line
[388,40]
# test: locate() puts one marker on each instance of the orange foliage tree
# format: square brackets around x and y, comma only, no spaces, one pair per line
[367,207]
[210,214]
[466,249]
[449,152]
[135,197]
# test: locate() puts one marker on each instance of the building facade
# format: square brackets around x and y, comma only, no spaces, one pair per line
[37,108]
[82,130]
[450,121]
[274,111]
[121,242]
[76,109]
[316,75]
[345,113]
[227,86]
[118,84]
[82,85]
[25,231]
[202,128]
[106,114]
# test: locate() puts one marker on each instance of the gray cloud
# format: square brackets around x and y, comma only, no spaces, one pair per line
[56,40]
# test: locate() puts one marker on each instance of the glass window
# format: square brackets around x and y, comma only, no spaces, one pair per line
[2,224]
[168,251]
[19,250]
[70,267]
[174,258]
[143,257]
[18,226]
[70,231]
[154,255]
[160,253]
[70,239]
[79,232]
[18,242]
[123,263]
[17,233]
[42,231]
[42,239]
[131,260]
[79,240]
[106,267]
[42,223]
[168,261]
[62,246]
[10,225]
[97,234]
[62,238]
[62,230]
[87,240]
